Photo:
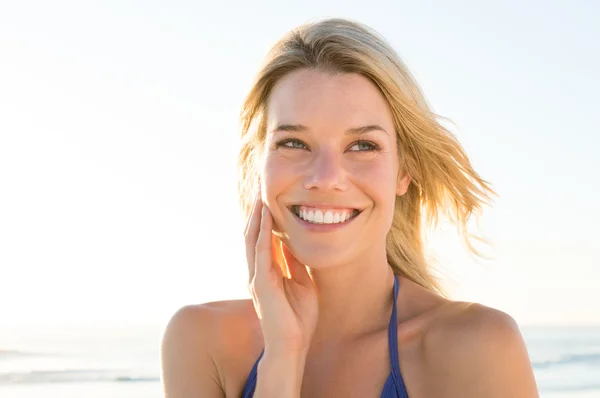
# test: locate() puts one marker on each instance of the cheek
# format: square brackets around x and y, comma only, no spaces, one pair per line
[378,181]
[276,176]
[280,170]
[378,178]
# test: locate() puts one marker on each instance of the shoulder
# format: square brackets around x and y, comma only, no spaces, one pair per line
[210,319]
[476,351]
[209,322]
[198,341]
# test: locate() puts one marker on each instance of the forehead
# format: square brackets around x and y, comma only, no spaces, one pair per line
[314,97]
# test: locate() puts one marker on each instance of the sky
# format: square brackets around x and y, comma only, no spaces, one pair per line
[119,135]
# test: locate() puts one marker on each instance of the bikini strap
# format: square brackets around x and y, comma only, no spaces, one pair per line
[393,344]
[250,386]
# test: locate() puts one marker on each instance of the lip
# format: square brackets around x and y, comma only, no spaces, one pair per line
[323,206]
[323,227]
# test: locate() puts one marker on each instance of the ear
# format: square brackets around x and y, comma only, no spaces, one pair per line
[404,180]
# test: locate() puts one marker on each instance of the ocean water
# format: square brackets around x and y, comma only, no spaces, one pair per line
[124,362]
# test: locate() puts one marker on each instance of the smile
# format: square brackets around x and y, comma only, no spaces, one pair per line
[323,216]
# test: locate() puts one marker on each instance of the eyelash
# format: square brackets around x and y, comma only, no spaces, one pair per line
[373,146]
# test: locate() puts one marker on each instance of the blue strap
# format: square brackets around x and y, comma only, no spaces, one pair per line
[250,385]
[393,345]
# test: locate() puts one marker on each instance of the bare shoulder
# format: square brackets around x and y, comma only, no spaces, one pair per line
[198,344]
[213,321]
[476,351]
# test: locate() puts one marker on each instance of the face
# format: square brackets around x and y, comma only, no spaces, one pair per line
[329,167]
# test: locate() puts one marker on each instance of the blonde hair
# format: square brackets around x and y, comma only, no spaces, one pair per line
[443,180]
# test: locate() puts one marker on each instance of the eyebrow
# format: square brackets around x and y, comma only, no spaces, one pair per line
[298,128]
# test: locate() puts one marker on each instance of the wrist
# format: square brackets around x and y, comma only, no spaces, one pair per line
[286,350]
[280,374]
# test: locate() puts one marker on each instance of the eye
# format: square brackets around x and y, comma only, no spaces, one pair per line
[291,143]
[364,146]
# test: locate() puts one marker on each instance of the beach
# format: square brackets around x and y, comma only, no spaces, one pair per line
[119,362]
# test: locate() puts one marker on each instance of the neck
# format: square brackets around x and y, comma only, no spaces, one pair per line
[354,299]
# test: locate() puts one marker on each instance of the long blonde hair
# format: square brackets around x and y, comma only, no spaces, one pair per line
[443,180]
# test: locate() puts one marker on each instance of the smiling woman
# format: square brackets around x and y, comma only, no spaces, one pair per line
[342,162]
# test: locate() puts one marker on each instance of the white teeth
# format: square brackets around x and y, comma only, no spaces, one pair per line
[318,216]
[327,217]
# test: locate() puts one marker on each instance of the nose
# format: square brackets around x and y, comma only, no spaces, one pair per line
[326,172]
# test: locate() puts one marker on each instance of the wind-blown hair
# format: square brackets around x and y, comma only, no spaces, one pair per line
[443,182]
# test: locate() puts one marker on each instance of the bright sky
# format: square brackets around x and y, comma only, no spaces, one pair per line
[118,138]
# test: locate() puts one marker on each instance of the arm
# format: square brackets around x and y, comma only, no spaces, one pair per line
[188,366]
[481,353]
[286,306]
[280,375]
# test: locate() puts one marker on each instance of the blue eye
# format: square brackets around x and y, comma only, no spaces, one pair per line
[291,143]
[364,146]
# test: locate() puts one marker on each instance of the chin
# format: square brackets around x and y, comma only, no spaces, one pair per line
[321,256]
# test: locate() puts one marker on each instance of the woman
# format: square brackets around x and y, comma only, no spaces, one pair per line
[344,160]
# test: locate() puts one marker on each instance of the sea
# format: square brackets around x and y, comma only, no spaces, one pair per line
[119,362]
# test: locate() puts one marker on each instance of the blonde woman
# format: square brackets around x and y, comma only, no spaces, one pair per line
[342,165]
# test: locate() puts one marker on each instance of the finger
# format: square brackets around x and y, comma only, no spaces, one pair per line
[297,270]
[277,257]
[255,203]
[251,237]
[263,259]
